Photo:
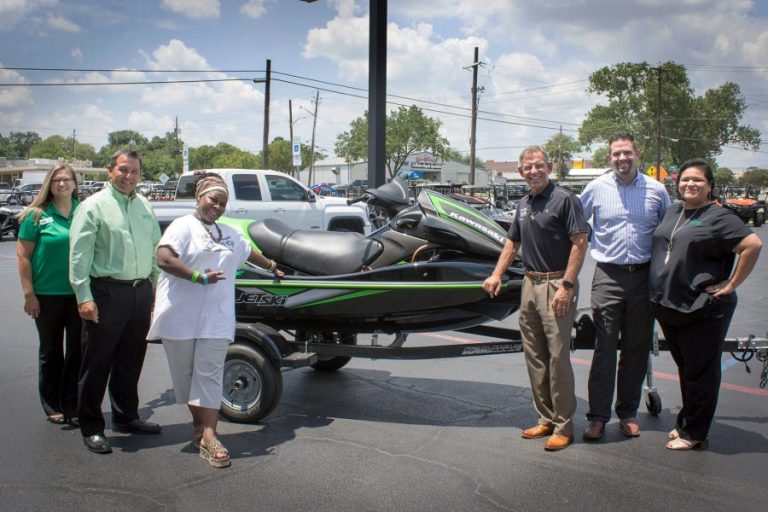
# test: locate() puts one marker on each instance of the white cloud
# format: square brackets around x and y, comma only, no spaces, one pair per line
[63,24]
[255,8]
[12,11]
[195,9]
[175,55]
[13,97]
[76,54]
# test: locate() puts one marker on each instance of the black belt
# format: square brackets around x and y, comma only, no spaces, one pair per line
[629,267]
[130,282]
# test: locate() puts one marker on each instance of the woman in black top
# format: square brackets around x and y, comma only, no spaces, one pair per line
[693,293]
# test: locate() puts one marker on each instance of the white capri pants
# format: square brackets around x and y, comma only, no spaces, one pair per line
[197,370]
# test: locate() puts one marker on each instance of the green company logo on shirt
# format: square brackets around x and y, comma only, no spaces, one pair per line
[696,223]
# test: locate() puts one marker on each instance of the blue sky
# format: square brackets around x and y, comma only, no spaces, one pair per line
[536,58]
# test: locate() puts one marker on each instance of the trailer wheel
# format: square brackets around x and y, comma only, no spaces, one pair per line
[253,384]
[333,363]
[653,403]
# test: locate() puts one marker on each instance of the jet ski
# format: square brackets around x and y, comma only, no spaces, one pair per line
[348,295]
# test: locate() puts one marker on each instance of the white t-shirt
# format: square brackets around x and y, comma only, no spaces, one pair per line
[186,310]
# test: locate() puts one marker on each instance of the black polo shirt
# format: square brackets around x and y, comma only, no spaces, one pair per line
[544,225]
[702,255]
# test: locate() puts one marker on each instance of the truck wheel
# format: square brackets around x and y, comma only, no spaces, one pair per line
[333,363]
[253,384]
[759,219]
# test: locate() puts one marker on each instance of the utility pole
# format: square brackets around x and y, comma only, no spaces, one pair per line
[560,173]
[73,145]
[290,119]
[176,135]
[472,143]
[312,150]
[290,122]
[658,124]
[265,149]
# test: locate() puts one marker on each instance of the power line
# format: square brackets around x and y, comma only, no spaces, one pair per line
[149,82]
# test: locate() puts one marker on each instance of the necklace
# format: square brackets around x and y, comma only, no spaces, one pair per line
[676,230]
[208,230]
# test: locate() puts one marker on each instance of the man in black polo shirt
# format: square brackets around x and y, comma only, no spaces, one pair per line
[550,227]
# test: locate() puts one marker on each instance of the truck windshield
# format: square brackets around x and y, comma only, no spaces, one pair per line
[186,187]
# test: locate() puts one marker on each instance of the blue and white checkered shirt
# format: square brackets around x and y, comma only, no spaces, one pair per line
[623,217]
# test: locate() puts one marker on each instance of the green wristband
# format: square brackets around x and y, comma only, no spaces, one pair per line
[195,276]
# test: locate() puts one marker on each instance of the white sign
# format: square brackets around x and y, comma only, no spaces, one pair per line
[164,178]
[185,156]
[296,143]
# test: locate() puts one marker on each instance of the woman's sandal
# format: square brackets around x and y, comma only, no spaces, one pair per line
[197,435]
[684,444]
[57,419]
[215,453]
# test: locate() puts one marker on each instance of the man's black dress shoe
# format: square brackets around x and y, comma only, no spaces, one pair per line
[97,443]
[137,427]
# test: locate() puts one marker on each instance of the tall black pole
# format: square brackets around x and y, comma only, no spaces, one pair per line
[377,93]
[265,148]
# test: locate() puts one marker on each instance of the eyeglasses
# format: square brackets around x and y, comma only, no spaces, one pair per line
[62,180]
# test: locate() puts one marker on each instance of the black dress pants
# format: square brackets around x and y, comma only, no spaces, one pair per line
[59,361]
[113,353]
[696,343]
[623,322]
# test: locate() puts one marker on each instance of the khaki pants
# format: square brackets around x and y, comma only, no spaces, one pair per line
[546,343]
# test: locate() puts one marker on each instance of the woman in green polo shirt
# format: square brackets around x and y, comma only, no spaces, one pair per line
[43,257]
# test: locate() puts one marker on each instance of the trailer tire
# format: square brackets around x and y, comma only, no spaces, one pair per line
[333,363]
[253,384]
[653,403]
[759,219]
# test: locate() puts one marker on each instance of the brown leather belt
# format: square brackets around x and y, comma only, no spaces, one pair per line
[546,276]
[130,282]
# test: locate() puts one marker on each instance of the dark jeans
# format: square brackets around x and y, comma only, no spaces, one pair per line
[623,321]
[59,362]
[696,343]
[113,353]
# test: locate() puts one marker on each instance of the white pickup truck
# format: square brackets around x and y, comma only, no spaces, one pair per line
[261,194]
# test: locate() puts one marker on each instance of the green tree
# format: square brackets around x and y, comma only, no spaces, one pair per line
[561,148]
[57,146]
[454,154]
[281,155]
[408,131]
[600,158]
[691,125]
[20,144]
[754,176]
[222,156]
[724,176]
[4,146]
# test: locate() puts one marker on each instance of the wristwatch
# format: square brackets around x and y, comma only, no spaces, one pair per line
[567,284]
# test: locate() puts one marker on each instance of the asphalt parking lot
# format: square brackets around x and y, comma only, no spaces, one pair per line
[438,435]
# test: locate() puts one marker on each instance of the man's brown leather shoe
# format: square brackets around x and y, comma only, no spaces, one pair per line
[629,427]
[538,431]
[594,430]
[558,442]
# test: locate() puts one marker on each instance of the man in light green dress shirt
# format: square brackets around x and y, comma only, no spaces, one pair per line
[113,271]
